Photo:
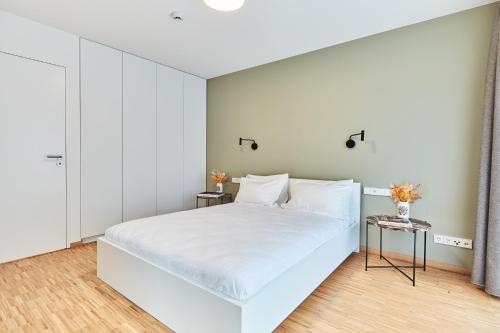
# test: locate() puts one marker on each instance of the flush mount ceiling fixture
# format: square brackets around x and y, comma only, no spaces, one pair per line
[224,5]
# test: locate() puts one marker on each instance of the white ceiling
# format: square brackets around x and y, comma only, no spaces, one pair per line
[210,43]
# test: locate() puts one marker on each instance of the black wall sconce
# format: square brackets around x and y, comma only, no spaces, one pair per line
[254,144]
[351,143]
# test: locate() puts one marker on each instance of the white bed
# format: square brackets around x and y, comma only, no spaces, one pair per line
[229,268]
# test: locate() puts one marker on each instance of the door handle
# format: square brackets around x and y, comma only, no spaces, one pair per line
[57,157]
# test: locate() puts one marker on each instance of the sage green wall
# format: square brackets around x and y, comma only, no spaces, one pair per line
[416,91]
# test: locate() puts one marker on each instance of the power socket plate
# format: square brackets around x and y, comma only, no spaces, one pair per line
[453,241]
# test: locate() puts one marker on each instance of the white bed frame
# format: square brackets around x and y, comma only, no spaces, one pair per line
[185,306]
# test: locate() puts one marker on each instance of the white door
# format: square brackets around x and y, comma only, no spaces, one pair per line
[139,137]
[195,124]
[33,176]
[101,134]
[169,108]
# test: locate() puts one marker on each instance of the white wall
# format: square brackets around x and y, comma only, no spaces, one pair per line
[33,40]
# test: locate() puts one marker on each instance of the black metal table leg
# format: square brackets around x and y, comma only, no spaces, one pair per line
[425,249]
[380,247]
[414,254]
[366,247]
[197,200]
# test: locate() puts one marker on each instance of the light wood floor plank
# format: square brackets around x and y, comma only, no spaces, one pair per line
[59,292]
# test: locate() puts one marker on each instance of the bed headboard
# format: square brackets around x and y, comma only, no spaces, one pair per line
[355,202]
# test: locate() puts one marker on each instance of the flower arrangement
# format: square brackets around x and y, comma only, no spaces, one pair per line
[219,177]
[405,193]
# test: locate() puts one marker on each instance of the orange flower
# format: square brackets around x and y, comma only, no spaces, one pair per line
[405,193]
[219,177]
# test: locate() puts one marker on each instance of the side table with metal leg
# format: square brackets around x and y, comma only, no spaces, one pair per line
[415,227]
[207,196]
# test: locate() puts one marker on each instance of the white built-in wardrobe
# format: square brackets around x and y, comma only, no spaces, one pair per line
[143,134]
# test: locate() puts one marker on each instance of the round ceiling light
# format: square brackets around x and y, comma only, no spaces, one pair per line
[224,5]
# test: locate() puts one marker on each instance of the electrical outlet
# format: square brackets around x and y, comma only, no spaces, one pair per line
[467,243]
[453,241]
[376,191]
[438,239]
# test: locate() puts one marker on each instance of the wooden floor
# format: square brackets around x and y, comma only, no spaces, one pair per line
[59,292]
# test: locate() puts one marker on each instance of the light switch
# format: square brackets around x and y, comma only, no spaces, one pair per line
[385,192]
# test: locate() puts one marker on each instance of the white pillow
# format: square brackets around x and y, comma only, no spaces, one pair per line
[259,192]
[283,177]
[294,181]
[337,182]
[333,199]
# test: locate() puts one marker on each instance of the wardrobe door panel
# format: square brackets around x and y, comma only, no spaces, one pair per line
[101,138]
[169,108]
[139,137]
[195,90]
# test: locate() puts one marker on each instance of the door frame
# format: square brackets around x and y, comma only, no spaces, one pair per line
[68,243]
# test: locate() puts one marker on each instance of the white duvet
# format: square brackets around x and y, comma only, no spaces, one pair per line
[233,249]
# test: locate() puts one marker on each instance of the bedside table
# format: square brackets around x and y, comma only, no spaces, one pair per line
[213,196]
[416,225]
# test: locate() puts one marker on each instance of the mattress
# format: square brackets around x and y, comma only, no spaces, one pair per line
[233,249]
